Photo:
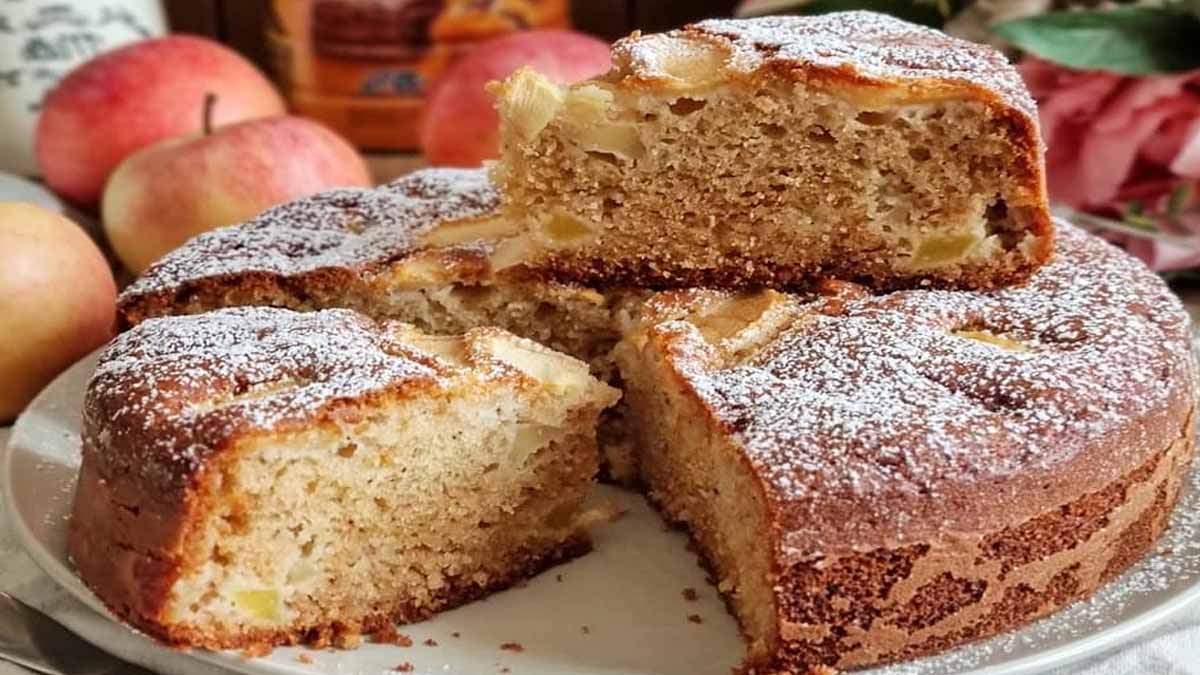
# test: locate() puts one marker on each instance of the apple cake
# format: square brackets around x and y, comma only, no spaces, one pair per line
[870,475]
[258,476]
[777,151]
[876,477]
[839,456]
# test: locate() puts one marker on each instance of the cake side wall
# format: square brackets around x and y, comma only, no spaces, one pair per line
[899,603]
[123,551]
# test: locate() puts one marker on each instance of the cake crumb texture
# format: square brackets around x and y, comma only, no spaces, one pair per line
[779,151]
[255,477]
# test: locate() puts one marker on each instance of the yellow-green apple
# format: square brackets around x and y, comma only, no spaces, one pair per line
[165,194]
[461,127]
[126,99]
[57,300]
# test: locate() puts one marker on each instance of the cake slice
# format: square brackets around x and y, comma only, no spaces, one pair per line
[426,249]
[257,476]
[779,150]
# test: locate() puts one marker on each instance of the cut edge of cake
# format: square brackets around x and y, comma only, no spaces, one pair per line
[778,151]
[294,495]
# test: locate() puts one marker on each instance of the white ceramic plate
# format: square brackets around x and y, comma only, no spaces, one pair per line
[628,592]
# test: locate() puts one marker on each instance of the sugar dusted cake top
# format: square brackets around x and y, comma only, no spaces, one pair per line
[349,229]
[170,393]
[856,48]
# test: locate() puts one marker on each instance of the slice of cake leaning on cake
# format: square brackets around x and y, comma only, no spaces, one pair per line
[877,477]
[257,476]
[775,151]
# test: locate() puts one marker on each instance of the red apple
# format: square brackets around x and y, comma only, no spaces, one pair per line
[171,191]
[57,299]
[461,127]
[128,98]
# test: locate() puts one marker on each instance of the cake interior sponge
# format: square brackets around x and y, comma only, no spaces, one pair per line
[777,151]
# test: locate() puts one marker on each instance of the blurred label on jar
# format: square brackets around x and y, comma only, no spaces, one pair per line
[42,40]
[363,66]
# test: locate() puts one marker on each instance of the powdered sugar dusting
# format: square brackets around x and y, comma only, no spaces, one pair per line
[345,228]
[882,411]
[874,46]
[170,391]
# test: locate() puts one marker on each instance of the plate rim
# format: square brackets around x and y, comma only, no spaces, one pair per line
[1073,652]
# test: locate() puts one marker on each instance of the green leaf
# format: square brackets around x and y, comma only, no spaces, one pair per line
[1125,40]
[924,12]
[1186,276]
[1141,222]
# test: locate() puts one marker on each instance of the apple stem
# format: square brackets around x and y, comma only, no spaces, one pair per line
[210,102]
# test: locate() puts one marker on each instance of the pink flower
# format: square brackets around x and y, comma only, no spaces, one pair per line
[1119,145]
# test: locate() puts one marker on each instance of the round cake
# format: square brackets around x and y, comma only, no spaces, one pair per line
[873,467]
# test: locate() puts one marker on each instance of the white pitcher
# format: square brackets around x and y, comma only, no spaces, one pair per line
[40,41]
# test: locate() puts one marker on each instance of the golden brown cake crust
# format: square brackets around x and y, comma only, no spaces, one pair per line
[921,599]
[932,609]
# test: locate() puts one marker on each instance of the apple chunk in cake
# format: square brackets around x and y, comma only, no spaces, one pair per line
[775,151]
[273,477]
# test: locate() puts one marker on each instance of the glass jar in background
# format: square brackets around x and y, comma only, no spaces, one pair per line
[363,67]
[40,41]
